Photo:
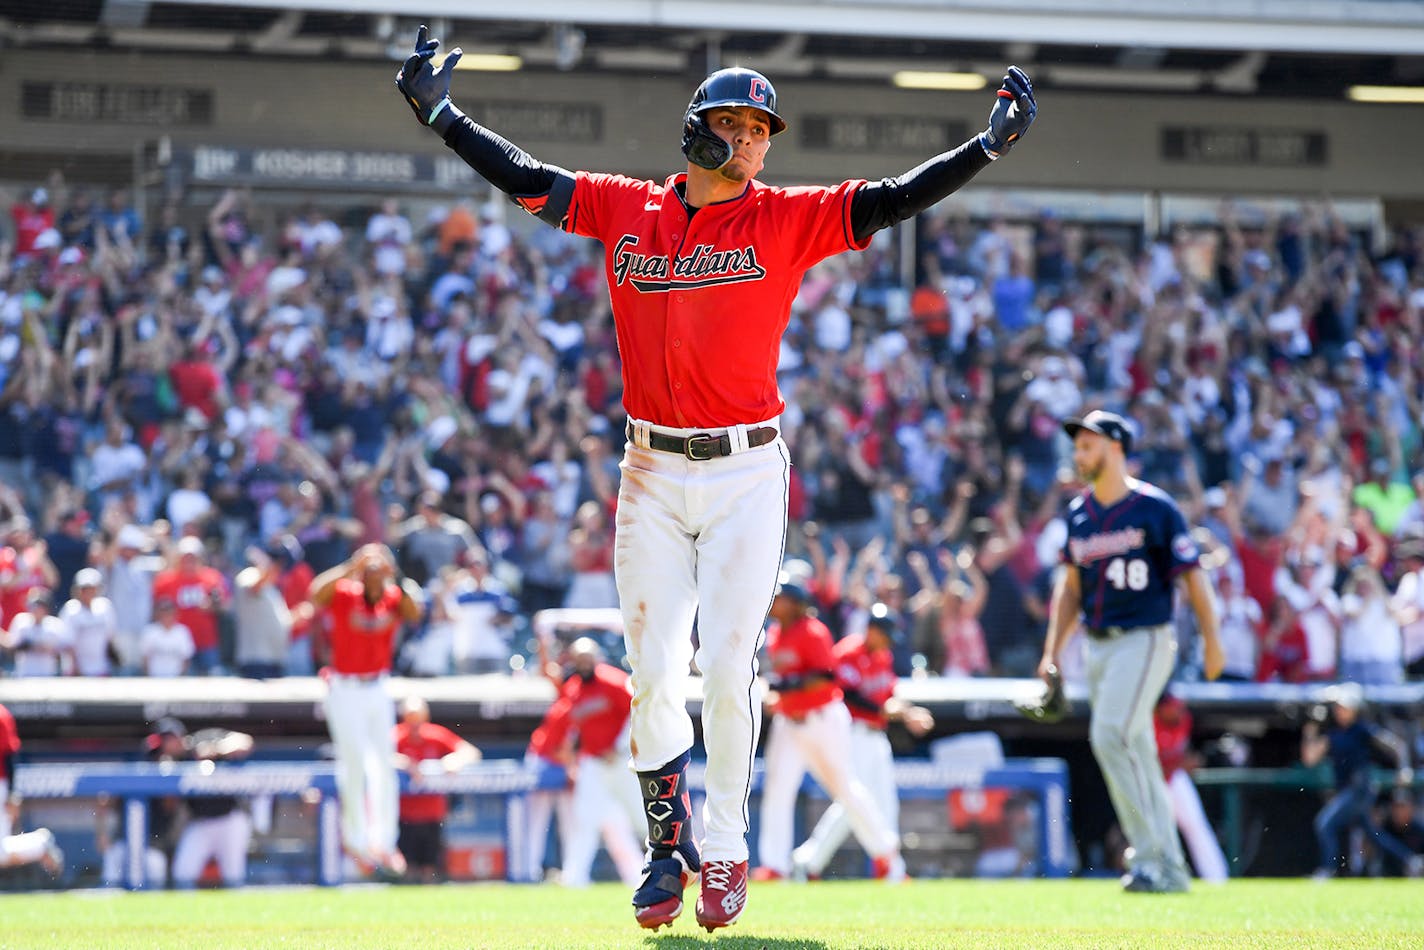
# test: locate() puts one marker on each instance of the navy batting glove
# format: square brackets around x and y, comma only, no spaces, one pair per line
[1013,113]
[426,89]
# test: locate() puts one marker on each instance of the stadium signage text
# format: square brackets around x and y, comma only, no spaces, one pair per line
[563,122]
[1229,145]
[119,103]
[881,133]
[324,168]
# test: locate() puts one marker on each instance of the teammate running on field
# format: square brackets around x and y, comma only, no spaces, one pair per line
[702,268]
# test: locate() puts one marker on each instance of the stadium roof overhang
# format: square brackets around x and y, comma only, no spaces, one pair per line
[1286,48]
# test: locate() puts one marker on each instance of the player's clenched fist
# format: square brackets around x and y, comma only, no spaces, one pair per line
[1013,113]
[425,88]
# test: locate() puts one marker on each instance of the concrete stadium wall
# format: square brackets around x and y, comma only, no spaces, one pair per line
[630,124]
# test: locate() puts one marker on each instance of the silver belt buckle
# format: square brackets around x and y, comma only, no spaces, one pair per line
[691,447]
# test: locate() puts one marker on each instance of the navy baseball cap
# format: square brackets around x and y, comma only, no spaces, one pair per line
[792,586]
[1109,425]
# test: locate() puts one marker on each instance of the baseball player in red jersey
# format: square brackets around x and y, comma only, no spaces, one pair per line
[866,674]
[811,730]
[545,756]
[422,814]
[1172,727]
[365,607]
[30,847]
[702,268]
[597,699]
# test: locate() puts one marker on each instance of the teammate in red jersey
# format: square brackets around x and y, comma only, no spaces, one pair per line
[365,608]
[597,701]
[1172,727]
[702,268]
[422,814]
[811,730]
[545,756]
[31,847]
[866,674]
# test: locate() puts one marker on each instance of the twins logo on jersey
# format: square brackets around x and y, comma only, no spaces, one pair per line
[703,267]
[1095,547]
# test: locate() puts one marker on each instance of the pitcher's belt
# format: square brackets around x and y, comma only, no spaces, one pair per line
[1112,633]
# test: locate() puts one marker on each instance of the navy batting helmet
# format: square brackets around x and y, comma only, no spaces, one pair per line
[736,86]
[885,618]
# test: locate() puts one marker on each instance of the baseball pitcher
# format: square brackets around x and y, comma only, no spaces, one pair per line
[1128,547]
[702,268]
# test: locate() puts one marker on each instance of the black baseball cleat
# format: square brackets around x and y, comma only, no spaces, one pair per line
[658,899]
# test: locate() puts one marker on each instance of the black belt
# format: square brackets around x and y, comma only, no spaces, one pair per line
[701,446]
[1112,633]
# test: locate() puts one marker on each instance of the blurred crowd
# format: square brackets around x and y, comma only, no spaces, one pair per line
[202,409]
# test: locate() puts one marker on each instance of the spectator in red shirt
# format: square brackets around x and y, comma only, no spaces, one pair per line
[31,218]
[24,564]
[1285,654]
[422,814]
[197,381]
[200,594]
[294,581]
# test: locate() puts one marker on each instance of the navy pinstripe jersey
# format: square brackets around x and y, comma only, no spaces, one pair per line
[1128,555]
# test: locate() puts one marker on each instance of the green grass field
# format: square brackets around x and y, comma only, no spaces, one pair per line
[1023,915]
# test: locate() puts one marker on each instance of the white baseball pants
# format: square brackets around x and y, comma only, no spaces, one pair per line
[1207,856]
[700,539]
[361,717]
[606,803]
[225,838]
[116,859]
[872,761]
[1126,674]
[543,806]
[817,743]
[25,848]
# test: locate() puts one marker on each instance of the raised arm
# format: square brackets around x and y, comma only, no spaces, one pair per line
[543,190]
[892,200]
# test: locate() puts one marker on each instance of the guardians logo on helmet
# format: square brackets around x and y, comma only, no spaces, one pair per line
[735,86]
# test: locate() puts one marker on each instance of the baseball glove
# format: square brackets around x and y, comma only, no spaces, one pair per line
[1052,705]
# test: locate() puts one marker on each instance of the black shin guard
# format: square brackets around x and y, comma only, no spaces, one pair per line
[668,809]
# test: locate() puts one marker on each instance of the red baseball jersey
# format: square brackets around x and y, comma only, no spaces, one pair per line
[549,737]
[597,710]
[362,633]
[193,594]
[1172,723]
[424,741]
[801,649]
[9,742]
[700,301]
[871,673]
